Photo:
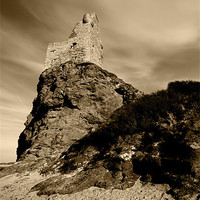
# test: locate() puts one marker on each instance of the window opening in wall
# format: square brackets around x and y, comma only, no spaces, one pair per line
[73,44]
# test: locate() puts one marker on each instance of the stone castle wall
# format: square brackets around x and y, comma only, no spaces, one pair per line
[83,46]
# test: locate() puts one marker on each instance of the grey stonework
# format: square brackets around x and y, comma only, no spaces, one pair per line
[83,46]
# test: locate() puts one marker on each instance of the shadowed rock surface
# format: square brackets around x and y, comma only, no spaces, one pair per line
[72,101]
[156,138]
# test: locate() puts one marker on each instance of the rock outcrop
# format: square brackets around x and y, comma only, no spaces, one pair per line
[72,101]
[156,138]
[74,97]
[91,129]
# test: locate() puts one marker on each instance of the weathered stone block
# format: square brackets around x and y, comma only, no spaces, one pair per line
[83,46]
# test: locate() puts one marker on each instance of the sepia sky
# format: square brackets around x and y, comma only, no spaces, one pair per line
[147,43]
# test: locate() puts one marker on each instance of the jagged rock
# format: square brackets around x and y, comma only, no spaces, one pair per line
[75,95]
[72,101]
[93,129]
[135,143]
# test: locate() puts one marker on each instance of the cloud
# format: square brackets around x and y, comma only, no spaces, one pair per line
[147,44]
[182,64]
[12,123]
[153,21]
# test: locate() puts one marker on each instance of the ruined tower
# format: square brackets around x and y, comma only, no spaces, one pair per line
[83,46]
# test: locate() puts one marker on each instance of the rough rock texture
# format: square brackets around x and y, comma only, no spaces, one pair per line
[156,137]
[72,101]
[74,95]
[89,129]
[84,45]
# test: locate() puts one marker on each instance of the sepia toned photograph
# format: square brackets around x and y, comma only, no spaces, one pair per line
[100,99]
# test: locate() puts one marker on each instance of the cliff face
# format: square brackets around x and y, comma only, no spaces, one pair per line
[155,138]
[75,95]
[72,101]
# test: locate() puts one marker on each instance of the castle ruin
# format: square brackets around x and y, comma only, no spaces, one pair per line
[83,46]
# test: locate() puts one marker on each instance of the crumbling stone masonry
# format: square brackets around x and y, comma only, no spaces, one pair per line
[83,46]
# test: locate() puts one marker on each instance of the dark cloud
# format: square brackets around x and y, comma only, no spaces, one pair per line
[13,12]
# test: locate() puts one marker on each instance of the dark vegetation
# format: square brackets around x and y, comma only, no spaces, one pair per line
[162,127]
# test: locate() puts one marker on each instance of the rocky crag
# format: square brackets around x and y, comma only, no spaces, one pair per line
[72,101]
[155,140]
[74,97]
[89,129]
[156,137]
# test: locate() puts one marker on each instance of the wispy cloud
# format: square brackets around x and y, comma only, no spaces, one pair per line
[147,43]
